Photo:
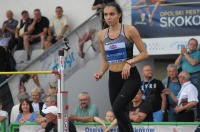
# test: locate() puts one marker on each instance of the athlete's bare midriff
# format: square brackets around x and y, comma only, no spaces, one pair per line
[117,67]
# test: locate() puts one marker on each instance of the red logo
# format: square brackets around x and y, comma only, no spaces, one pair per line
[113,46]
[61,61]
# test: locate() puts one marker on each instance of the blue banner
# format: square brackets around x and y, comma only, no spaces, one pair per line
[166,18]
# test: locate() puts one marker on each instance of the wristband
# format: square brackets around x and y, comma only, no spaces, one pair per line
[128,63]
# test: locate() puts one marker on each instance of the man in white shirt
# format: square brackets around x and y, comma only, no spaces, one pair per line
[186,99]
[58,26]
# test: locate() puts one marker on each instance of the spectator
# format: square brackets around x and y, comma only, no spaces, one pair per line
[186,99]
[140,110]
[152,92]
[51,117]
[51,100]
[190,62]
[173,84]
[15,109]
[36,103]
[38,29]
[109,117]
[3,115]
[3,55]
[21,30]
[58,26]
[9,25]
[3,40]
[85,111]
[26,112]
[7,61]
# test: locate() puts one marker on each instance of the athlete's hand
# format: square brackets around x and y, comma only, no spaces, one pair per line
[126,71]
[98,76]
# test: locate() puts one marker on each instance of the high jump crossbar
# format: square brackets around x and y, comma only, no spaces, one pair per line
[63,125]
[31,72]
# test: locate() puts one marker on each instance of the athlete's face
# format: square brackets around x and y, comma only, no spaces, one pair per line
[111,15]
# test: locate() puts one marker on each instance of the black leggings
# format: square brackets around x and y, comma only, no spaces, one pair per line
[122,92]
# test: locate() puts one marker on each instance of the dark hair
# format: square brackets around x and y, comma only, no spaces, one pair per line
[27,101]
[118,8]
[24,12]
[194,40]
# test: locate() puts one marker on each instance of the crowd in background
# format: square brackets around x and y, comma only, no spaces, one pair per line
[174,99]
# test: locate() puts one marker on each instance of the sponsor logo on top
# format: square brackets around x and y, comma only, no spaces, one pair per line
[113,47]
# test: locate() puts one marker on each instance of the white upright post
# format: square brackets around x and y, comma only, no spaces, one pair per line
[62,114]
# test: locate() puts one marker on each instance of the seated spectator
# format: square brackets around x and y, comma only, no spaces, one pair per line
[51,100]
[21,30]
[58,26]
[51,117]
[7,63]
[9,25]
[15,109]
[85,111]
[38,29]
[3,115]
[3,62]
[140,110]
[26,112]
[186,100]
[38,106]
[3,55]
[109,117]
[3,40]
[52,89]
